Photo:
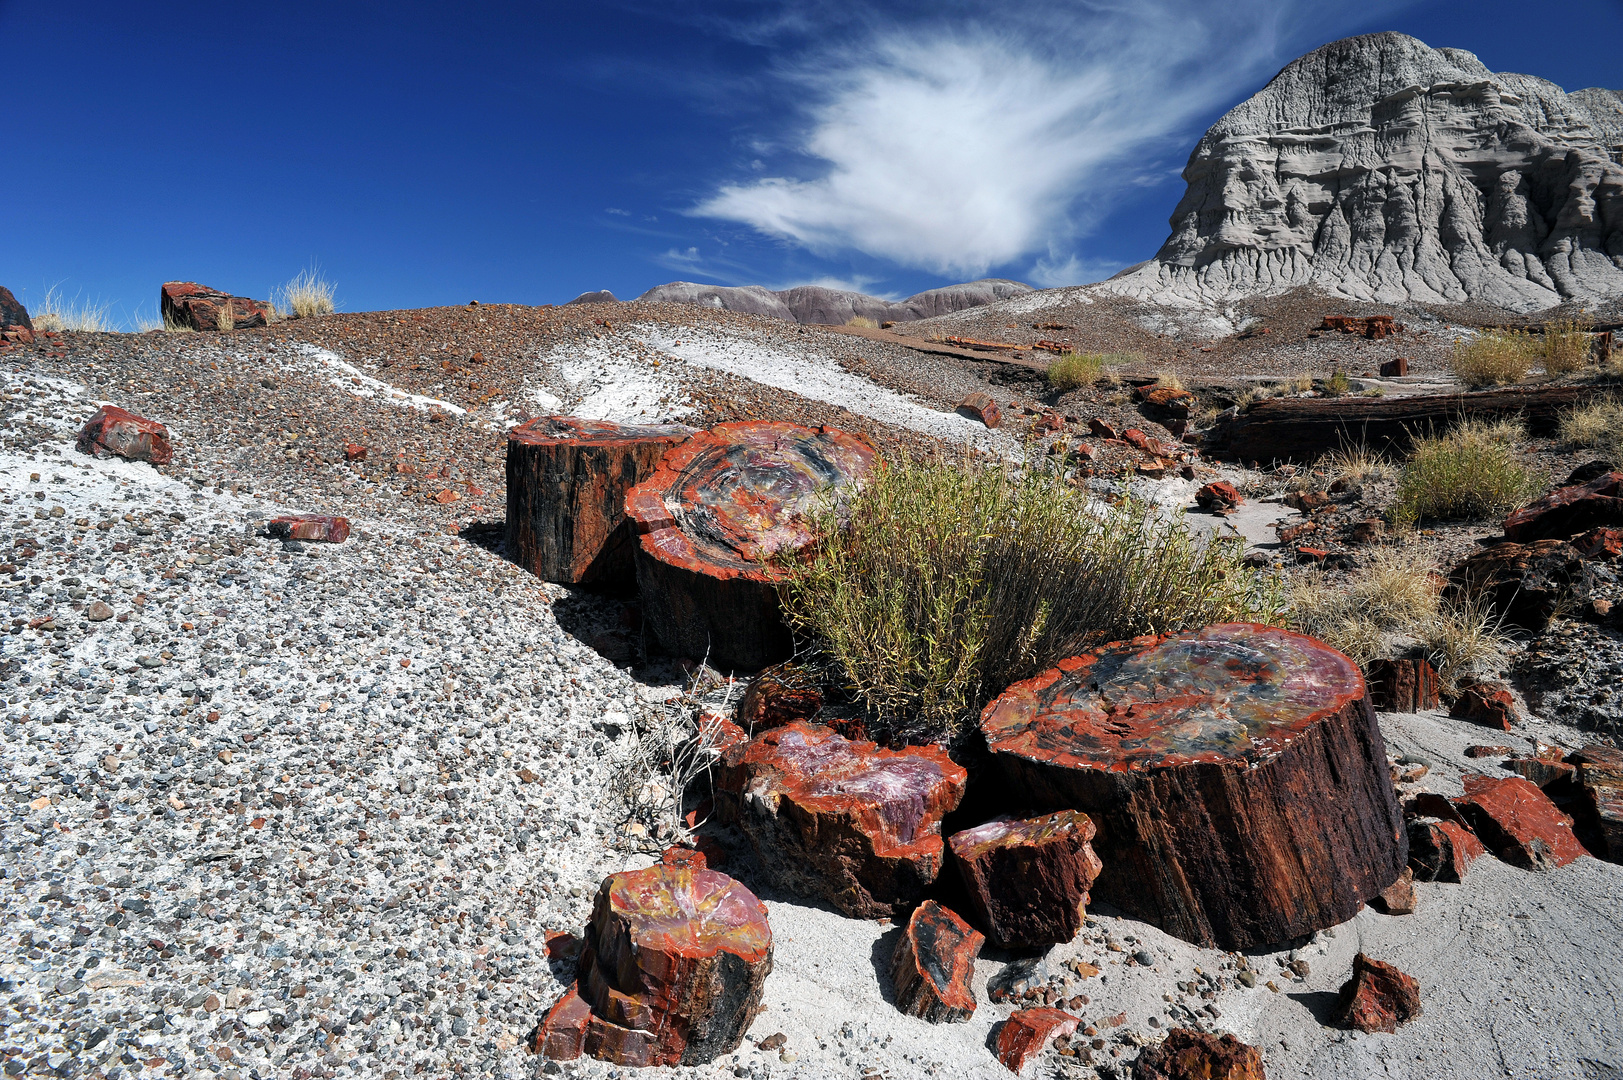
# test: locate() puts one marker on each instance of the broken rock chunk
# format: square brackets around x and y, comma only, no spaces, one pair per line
[1027,1034]
[188,304]
[1378,997]
[1525,583]
[1406,686]
[979,406]
[1199,1055]
[1569,510]
[1442,850]
[1218,497]
[1600,776]
[933,965]
[1518,822]
[1489,704]
[1397,898]
[1028,879]
[117,432]
[315,528]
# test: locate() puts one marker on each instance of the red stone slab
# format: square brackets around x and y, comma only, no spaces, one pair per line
[1236,774]
[1518,822]
[1378,997]
[933,965]
[1567,511]
[1028,879]
[567,480]
[711,518]
[1199,1055]
[113,431]
[1028,1033]
[1442,850]
[315,528]
[841,819]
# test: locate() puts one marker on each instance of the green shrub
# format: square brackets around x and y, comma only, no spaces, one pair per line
[938,585]
[1337,384]
[1072,370]
[1472,473]
[1493,358]
[1566,346]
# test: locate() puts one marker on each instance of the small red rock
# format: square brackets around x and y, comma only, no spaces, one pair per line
[1494,750]
[1442,850]
[933,965]
[316,528]
[1199,1055]
[354,452]
[113,430]
[562,945]
[1290,534]
[447,497]
[1378,997]
[980,406]
[1218,497]
[1099,429]
[1600,544]
[1486,703]
[1518,822]
[1312,554]
[1398,898]
[676,855]
[1027,1033]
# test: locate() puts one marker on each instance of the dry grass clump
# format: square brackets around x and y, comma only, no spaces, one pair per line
[862,321]
[1394,604]
[1337,384]
[1358,464]
[1566,346]
[939,584]
[666,763]
[1493,358]
[224,318]
[1168,379]
[1598,425]
[58,314]
[1471,473]
[1072,370]
[306,295]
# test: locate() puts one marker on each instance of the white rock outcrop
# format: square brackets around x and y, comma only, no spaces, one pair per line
[1382,169]
[818,304]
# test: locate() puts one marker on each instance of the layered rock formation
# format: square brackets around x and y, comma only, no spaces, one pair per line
[816,304]
[1382,169]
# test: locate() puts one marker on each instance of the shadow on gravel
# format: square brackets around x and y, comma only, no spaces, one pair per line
[884,949]
[490,535]
[1321,1003]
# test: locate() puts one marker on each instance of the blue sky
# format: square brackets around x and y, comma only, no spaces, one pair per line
[426,153]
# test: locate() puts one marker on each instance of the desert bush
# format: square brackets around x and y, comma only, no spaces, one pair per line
[1471,473]
[939,584]
[1565,346]
[306,295]
[1493,358]
[1337,384]
[1598,425]
[862,321]
[1392,604]
[1072,370]
[57,313]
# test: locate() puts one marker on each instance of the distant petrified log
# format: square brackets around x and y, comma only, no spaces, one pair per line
[118,432]
[313,528]
[1028,879]
[710,519]
[672,971]
[1569,510]
[933,965]
[1304,429]
[839,819]
[198,307]
[1236,774]
[567,480]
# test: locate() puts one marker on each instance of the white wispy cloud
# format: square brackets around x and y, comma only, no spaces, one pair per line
[954,144]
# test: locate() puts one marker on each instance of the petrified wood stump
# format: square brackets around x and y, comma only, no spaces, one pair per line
[1028,880]
[671,974]
[842,820]
[709,521]
[1236,774]
[113,430]
[933,964]
[567,480]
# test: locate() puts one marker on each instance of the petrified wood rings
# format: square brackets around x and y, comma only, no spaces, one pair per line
[1236,775]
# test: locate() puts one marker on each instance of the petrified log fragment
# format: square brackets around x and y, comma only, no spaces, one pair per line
[1218,497]
[12,313]
[567,480]
[1518,822]
[1442,850]
[980,406]
[843,820]
[780,695]
[933,965]
[1199,1055]
[115,431]
[710,519]
[1397,898]
[1027,1033]
[1378,997]
[1525,583]
[1028,880]
[1600,776]
[1567,511]
[1236,774]
[186,303]
[314,528]
[1489,704]
[1403,685]
[671,973]
[1304,429]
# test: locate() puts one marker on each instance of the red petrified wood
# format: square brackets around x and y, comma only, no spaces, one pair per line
[1218,497]
[671,974]
[1378,997]
[979,406]
[317,528]
[567,480]
[1518,822]
[1600,776]
[780,695]
[933,964]
[1442,850]
[1027,1033]
[710,519]
[1485,703]
[1236,775]
[186,303]
[1567,511]
[840,819]
[1403,685]
[1199,1055]
[1028,880]
[114,431]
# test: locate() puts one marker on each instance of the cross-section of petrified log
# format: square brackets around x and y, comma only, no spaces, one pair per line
[709,521]
[933,964]
[671,974]
[113,430]
[840,819]
[1028,879]
[567,480]
[1236,774]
